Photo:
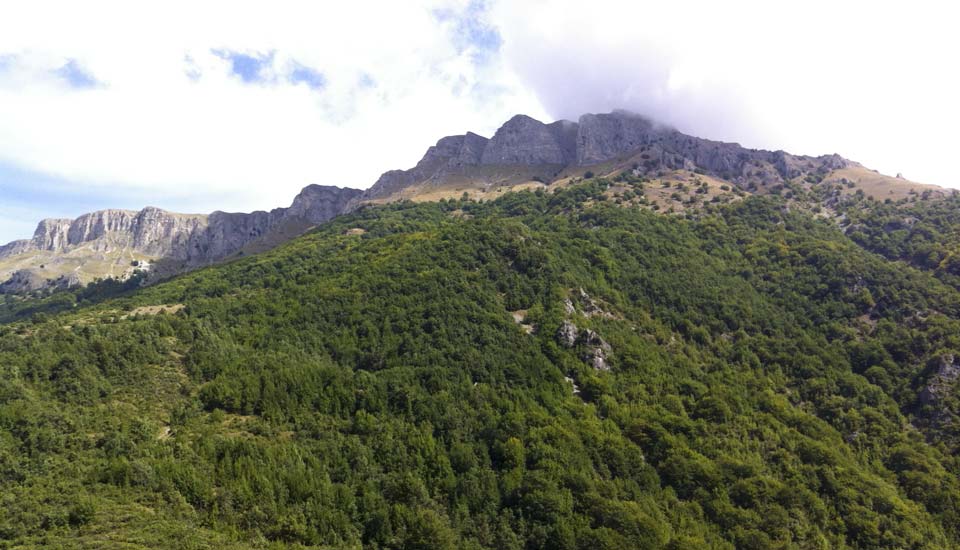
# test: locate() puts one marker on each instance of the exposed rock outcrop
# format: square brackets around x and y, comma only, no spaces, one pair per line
[451,155]
[936,404]
[567,334]
[604,136]
[595,349]
[194,237]
[941,383]
[590,307]
[152,231]
[15,247]
[525,141]
[53,234]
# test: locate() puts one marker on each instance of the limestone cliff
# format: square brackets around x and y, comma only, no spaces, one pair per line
[113,242]
[523,140]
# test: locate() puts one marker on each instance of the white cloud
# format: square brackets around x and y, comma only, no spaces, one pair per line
[873,81]
[170,115]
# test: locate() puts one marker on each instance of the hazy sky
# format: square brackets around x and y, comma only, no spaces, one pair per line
[196,106]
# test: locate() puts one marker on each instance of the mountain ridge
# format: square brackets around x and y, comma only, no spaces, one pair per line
[124,239]
[524,153]
[543,152]
[539,371]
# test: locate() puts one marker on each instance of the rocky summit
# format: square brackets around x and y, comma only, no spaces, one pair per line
[527,150]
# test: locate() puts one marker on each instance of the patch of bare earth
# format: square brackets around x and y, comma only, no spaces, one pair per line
[518,317]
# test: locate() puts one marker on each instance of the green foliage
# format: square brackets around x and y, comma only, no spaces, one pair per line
[925,234]
[374,390]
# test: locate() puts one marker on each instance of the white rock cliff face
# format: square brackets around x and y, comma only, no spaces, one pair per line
[193,239]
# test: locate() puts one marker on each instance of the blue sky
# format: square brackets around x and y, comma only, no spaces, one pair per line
[105,107]
[257,68]
[29,197]
[76,76]
[235,114]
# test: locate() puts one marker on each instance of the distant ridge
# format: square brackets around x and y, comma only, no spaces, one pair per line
[113,243]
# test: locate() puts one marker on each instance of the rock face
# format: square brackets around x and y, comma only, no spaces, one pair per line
[525,141]
[939,386]
[319,203]
[119,235]
[935,408]
[452,155]
[595,350]
[152,231]
[567,334]
[194,237]
[602,137]
[595,139]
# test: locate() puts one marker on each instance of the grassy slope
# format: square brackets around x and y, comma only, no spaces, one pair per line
[86,262]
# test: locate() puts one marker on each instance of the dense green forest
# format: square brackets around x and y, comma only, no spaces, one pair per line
[924,233]
[547,370]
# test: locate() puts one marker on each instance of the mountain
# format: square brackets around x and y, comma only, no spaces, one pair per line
[552,369]
[523,154]
[115,243]
[526,153]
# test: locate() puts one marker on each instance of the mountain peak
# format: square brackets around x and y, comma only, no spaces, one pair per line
[521,119]
[523,140]
[525,149]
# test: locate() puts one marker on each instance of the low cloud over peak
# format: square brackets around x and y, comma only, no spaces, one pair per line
[866,80]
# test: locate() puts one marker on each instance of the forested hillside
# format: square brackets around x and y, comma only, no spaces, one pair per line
[546,370]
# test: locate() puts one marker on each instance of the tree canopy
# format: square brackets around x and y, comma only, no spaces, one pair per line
[771,384]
